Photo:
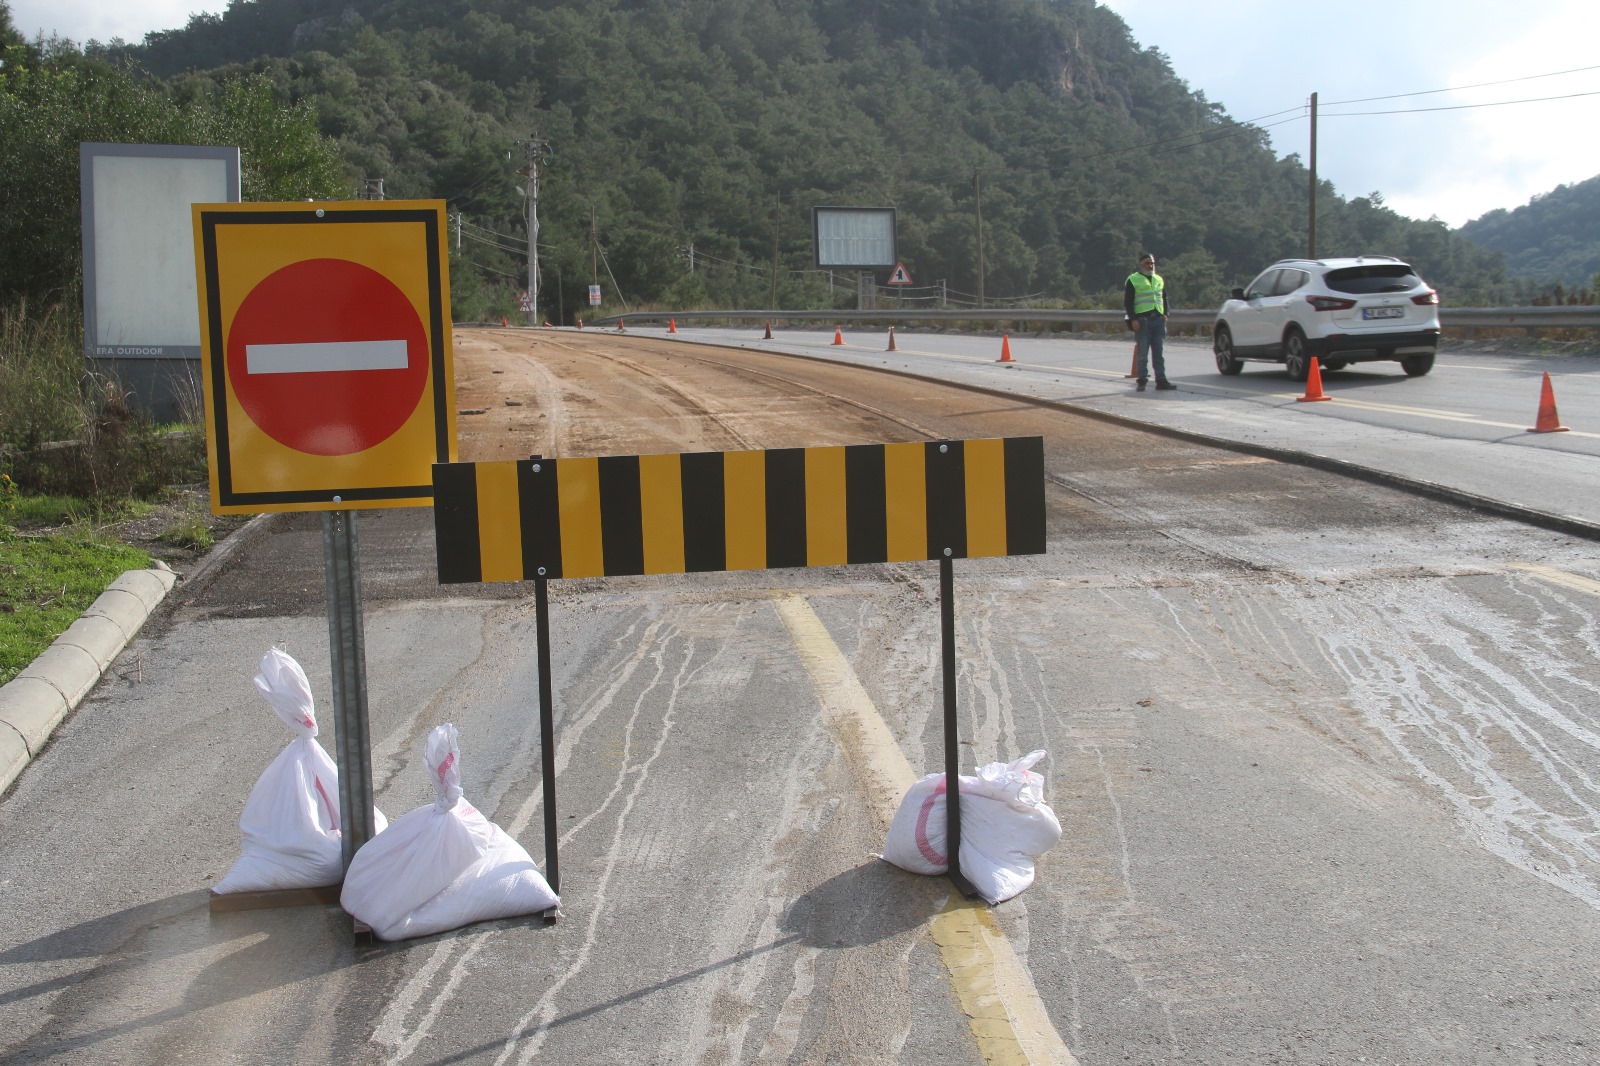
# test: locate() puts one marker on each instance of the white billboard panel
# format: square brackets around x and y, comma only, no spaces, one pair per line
[854,238]
[141,308]
[139,292]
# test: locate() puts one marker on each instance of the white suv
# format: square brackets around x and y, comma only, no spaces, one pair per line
[1342,311]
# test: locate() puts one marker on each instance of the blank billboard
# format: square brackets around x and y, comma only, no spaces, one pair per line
[139,296]
[854,238]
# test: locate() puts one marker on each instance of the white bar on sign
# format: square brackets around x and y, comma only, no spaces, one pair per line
[324,357]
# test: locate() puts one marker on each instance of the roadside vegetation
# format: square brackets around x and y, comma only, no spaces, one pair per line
[90,485]
[53,565]
[682,144]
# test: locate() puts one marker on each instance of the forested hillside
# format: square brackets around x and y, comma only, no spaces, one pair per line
[719,124]
[1553,239]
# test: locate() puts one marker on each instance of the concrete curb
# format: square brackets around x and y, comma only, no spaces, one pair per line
[34,702]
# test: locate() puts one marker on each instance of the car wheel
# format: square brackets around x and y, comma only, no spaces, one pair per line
[1222,344]
[1296,359]
[1416,365]
[1337,364]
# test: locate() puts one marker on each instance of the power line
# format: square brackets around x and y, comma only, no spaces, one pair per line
[493,244]
[1240,132]
[1459,107]
[492,270]
[1459,88]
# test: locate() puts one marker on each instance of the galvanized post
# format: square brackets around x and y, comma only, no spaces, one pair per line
[348,657]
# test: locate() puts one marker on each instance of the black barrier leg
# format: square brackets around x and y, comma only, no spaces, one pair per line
[547,732]
[952,732]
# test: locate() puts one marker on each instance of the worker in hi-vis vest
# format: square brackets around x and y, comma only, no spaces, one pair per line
[1144,302]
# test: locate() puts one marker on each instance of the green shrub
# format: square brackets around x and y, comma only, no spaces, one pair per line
[41,375]
[70,432]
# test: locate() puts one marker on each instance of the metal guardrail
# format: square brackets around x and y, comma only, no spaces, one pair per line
[1531,319]
[1465,319]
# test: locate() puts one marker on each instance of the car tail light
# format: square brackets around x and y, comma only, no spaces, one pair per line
[1427,299]
[1330,303]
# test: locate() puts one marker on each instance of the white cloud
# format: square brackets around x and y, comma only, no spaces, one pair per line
[1257,56]
[102,20]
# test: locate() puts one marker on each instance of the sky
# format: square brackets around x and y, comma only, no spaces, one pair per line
[1260,58]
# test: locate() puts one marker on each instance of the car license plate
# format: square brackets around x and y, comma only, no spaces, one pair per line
[1383,312]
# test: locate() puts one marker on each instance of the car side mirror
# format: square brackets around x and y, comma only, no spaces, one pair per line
[1238,294]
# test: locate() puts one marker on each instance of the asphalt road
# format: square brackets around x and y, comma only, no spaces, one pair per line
[1325,754]
[1463,427]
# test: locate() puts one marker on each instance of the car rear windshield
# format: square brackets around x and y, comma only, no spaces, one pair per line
[1364,280]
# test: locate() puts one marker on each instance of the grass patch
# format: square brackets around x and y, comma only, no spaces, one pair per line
[46,582]
[190,531]
[86,479]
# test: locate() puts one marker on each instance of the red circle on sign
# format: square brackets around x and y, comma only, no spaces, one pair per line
[328,357]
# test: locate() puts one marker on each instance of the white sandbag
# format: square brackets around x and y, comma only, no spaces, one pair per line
[444,865]
[916,840]
[1005,827]
[291,819]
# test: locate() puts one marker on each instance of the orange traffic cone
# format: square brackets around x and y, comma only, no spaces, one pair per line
[768,337]
[1133,367]
[891,347]
[1548,421]
[503,321]
[1005,349]
[1313,384]
[545,323]
[621,328]
[580,323]
[838,334]
[672,325]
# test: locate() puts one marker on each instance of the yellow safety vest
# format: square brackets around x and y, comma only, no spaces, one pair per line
[1146,292]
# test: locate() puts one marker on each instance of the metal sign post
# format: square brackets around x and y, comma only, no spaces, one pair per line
[952,729]
[341,559]
[547,729]
[325,350]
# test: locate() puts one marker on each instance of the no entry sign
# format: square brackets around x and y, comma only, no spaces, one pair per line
[325,353]
[354,385]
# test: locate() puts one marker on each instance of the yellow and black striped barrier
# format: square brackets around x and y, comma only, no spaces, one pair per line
[707,511]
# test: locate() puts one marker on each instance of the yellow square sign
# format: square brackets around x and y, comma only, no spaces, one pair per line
[325,353]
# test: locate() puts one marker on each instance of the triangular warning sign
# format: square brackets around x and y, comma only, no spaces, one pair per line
[899,276]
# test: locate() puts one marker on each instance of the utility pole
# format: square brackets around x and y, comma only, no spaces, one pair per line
[1312,227]
[777,206]
[977,196]
[536,148]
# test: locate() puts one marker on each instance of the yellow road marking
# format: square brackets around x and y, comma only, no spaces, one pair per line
[1560,577]
[1443,416]
[1007,1018]
[1419,412]
[1425,412]
[994,988]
